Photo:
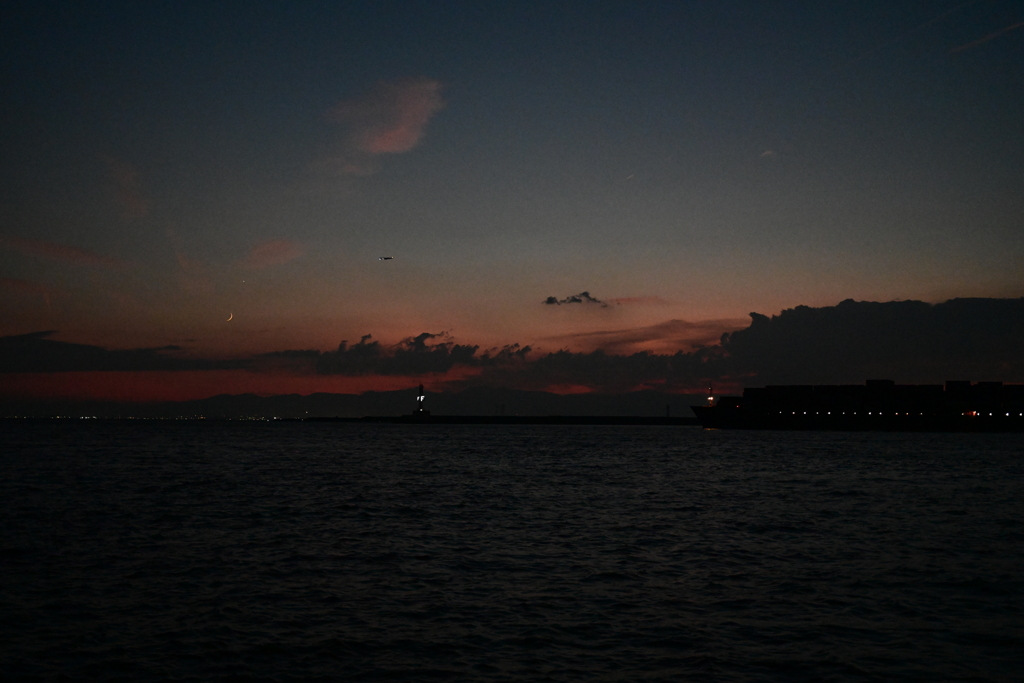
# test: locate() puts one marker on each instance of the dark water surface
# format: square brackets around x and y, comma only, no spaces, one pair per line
[290,551]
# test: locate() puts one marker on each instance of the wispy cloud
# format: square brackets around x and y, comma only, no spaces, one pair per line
[272,253]
[639,301]
[22,285]
[127,189]
[979,41]
[28,287]
[193,274]
[390,119]
[60,252]
[666,337]
[919,27]
[581,298]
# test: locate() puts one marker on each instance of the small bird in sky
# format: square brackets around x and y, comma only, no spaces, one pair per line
[385,258]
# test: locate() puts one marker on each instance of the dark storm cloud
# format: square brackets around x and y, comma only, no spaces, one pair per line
[909,341]
[581,298]
[33,352]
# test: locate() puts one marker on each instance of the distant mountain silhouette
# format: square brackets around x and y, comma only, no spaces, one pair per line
[476,401]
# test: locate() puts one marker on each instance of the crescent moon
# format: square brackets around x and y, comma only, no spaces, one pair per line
[230,316]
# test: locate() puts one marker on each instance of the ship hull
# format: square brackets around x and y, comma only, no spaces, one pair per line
[722,417]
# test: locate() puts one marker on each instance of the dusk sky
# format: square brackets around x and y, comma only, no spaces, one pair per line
[168,166]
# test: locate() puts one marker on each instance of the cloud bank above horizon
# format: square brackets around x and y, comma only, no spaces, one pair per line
[909,341]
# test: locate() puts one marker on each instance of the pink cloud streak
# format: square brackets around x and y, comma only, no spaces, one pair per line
[27,287]
[392,117]
[975,43]
[127,192]
[60,252]
[272,253]
[639,301]
[666,337]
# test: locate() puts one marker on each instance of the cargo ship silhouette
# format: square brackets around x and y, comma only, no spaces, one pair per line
[877,405]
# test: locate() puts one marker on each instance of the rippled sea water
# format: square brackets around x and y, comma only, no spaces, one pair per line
[290,551]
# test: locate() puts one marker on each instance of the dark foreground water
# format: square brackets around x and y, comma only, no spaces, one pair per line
[287,551]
